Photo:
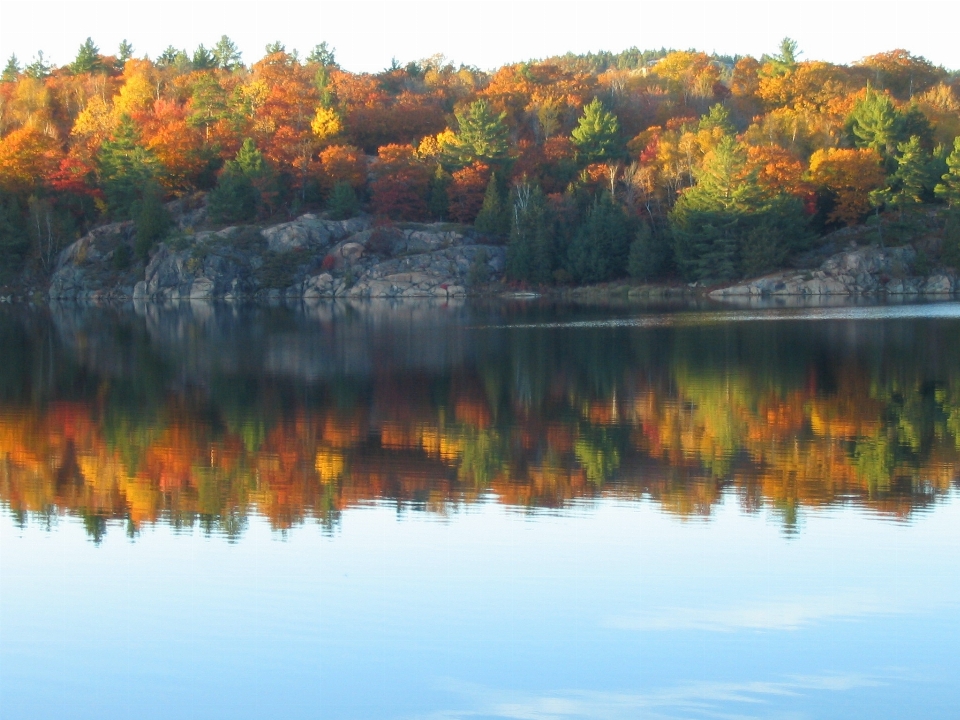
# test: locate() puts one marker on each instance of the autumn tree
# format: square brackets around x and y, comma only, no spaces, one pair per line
[400,185]
[850,176]
[466,190]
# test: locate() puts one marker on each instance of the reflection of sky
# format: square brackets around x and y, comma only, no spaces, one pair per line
[616,611]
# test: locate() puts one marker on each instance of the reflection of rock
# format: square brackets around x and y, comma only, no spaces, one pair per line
[865,271]
[307,258]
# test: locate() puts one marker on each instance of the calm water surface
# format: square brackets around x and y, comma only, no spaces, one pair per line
[480,511]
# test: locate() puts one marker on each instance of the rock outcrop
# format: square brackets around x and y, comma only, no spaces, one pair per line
[862,271]
[310,258]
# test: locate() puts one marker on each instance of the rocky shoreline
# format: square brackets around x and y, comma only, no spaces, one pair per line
[864,271]
[307,258]
[312,258]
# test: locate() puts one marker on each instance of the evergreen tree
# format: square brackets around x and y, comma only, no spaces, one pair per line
[226,55]
[601,245]
[717,117]
[234,199]
[151,221]
[124,53]
[171,57]
[39,68]
[342,203]
[203,59]
[715,223]
[11,71]
[876,123]
[910,181]
[494,215]
[323,54]
[531,250]
[948,189]
[950,247]
[125,168]
[597,135]
[242,186]
[649,254]
[14,238]
[438,197]
[88,59]
[482,135]
[785,61]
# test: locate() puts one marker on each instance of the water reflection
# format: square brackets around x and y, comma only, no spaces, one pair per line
[203,415]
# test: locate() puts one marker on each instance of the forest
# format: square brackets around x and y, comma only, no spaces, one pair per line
[644,164]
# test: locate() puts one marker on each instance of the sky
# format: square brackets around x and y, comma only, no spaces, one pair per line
[368,35]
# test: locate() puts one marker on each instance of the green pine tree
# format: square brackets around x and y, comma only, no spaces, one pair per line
[245,185]
[717,117]
[948,189]
[482,135]
[597,135]
[876,123]
[531,250]
[125,168]
[14,238]
[226,55]
[649,254]
[494,216]
[601,245]
[438,197]
[151,220]
[715,223]
[11,71]
[124,53]
[88,59]
[342,203]
[203,59]
[910,181]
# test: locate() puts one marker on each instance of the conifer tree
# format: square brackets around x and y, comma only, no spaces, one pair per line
[202,59]
[876,123]
[11,71]
[125,168]
[910,180]
[494,215]
[601,245]
[88,58]
[948,189]
[597,135]
[226,55]
[124,53]
[482,135]
[531,251]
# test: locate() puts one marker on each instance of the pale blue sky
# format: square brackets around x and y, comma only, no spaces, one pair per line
[486,34]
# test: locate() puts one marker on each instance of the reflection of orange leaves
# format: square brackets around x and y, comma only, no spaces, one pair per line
[472,411]
[342,431]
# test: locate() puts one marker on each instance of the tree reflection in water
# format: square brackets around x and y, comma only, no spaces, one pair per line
[202,415]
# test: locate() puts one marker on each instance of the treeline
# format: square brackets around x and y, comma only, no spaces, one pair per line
[644,163]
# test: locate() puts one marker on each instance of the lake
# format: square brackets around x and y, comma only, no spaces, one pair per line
[515,509]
